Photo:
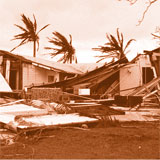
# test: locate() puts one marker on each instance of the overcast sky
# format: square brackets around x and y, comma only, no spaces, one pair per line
[87,21]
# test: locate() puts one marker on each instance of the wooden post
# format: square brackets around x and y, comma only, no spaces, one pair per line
[20,75]
[4,68]
[7,74]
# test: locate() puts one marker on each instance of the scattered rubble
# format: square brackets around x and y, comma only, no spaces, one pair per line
[50,105]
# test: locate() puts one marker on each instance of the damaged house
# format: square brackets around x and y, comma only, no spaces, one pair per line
[22,71]
[132,79]
[135,74]
[100,82]
[140,77]
[111,78]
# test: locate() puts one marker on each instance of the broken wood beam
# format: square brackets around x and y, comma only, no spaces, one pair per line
[152,93]
[143,88]
[10,103]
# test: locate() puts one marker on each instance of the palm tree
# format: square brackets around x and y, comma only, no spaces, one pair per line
[65,48]
[29,33]
[114,48]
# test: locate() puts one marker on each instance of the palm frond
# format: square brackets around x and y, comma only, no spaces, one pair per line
[101,60]
[21,36]
[114,42]
[155,36]
[23,42]
[37,41]
[114,46]
[61,38]
[49,48]
[64,47]
[121,42]
[55,54]
[62,59]
[43,28]
[70,39]
[118,36]
[128,43]
[35,23]
[107,55]
[28,23]
[105,49]
[23,29]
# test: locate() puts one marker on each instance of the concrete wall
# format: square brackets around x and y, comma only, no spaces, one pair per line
[37,75]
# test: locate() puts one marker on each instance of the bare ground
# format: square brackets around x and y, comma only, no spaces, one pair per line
[123,141]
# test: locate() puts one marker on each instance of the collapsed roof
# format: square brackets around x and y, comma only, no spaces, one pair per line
[95,80]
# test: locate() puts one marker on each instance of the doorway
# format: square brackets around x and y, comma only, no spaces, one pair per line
[147,74]
[13,79]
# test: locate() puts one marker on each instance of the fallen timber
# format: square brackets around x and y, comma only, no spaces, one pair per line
[27,120]
[146,87]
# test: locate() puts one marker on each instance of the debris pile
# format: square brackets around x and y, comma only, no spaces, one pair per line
[89,98]
[21,115]
[6,137]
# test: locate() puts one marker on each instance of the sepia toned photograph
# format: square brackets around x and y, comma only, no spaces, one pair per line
[80,79]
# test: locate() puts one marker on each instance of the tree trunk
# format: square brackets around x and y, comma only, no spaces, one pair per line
[34,48]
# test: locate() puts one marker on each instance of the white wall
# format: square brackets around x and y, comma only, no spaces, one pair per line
[36,75]
[144,61]
[131,75]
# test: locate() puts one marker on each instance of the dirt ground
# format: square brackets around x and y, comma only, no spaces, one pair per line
[124,141]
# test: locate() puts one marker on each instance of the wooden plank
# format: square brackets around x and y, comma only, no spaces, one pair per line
[152,93]
[143,88]
[6,104]
[83,106]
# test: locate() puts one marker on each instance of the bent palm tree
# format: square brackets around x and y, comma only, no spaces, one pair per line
[64,47]
[114,48]
[29,34]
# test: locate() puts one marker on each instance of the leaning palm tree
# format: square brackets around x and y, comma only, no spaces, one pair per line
[29,33]
[114,48]
[63,48]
